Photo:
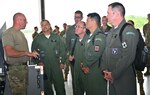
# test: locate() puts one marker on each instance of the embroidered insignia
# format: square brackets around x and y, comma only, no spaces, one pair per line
[97,48]
[114,51]
[98,39]
[130,33]
[124,45]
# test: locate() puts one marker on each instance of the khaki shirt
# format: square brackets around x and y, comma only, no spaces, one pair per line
[146,31]
[17,40]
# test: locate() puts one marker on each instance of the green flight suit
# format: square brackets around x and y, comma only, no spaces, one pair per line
[118,58]
[62,33]
[67,63]
[94,47]
[79,76]
[70,37]
[53,49]
[107,30]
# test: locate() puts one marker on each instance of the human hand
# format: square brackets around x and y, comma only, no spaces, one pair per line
[86,70]
[32,54]
[108,75]
[41,64]
[71,58]
[62,66]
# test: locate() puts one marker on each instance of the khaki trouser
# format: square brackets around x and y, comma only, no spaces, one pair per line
[17,76]
[140,77]
[148,62]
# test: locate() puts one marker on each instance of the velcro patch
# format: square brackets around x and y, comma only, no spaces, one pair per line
[114,51]
[130,33]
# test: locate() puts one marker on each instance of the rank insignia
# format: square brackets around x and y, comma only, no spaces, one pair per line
[97,48]
[114,50]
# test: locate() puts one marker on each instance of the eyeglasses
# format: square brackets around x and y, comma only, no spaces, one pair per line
[79,27]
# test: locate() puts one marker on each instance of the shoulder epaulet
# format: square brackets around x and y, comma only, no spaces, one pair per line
[95,36]
[121,30]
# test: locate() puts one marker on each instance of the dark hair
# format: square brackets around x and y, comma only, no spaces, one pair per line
[104,17]
[96,17]
[35,27]
[148,15]
[65,24]
[131,21]
[79,12]
[119,7]
[45,20]
[56,27]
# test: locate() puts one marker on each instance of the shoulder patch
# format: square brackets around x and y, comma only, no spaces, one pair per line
[98,39]
[130,33]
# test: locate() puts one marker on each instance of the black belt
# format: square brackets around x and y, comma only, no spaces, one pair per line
[18,64]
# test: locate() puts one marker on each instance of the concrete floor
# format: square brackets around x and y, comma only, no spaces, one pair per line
[68,86]
[146,85]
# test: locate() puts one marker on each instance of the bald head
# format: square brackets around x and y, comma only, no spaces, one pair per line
[82,23]
[19,21]
[17,16]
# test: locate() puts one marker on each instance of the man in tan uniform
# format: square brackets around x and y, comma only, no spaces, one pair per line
[146,31]
[17,54]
